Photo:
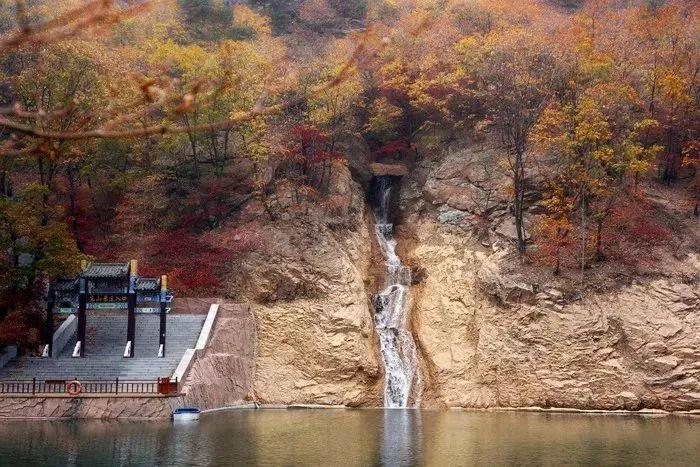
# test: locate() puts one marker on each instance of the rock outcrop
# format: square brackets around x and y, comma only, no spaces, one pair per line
[315,337]
[394,170]
[492,338]
[635,348]
[487,337]
[316,340]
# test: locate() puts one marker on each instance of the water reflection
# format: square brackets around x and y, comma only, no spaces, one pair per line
[401,437]
[358,437]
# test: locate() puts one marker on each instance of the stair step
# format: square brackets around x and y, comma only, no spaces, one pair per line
[104,349]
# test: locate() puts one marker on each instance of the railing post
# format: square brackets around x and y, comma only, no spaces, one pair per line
[116,386]
[82,318]
[33,386]
[131,309]
[48,326]
[163,315]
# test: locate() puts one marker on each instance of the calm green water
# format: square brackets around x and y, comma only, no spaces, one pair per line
[359,437]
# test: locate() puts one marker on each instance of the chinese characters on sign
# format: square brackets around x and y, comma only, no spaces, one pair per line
[107,298]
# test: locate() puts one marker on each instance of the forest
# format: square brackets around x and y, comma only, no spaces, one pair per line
[170,131]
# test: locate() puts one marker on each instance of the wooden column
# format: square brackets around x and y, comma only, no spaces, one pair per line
[131,306]
[48,331]
[82,317]
[131,320]
[163,312]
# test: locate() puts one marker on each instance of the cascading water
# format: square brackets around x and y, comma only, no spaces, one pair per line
[391,305]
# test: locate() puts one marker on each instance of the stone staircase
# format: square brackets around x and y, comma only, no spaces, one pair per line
[106,338]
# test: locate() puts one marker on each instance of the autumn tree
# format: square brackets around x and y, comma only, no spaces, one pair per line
[414,96]
[308,161]
[554,232]
[602,153]
[670,77]
[36,247]
[514,74]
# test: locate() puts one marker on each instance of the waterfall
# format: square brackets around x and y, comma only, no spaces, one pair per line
[391,306]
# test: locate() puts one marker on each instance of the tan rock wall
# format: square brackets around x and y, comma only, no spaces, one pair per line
[319,348]
[309,286]
[638,347]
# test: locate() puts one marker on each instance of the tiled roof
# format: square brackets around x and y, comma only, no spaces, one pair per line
[65,285]
[106,270]
[147,284]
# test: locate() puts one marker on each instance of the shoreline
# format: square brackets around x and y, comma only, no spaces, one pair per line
[255,406]
[530,409]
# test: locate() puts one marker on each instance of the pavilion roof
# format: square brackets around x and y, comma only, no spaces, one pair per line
[106,271]
[66,285]
[147,284]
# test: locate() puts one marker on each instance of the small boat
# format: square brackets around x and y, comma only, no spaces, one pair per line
[186,414]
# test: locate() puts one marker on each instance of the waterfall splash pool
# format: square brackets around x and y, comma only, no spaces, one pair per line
[391,306]
[357,437]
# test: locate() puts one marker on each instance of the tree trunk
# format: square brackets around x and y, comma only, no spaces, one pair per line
[584,232]
[73,207]
[519,200]
[598,241]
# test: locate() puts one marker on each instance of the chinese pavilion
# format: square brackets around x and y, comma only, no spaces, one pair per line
[114,286]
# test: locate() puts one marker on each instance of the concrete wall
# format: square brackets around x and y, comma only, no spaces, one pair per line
[207,328]
[64,406]
[190,354]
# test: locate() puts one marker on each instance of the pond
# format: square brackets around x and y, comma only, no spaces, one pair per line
[358,437]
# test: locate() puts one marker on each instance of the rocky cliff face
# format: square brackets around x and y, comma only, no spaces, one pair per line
[635,348]
[490,338]
[315,337]
[487,336]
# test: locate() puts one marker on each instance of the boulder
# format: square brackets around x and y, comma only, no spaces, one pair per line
[664,364]
[395,170]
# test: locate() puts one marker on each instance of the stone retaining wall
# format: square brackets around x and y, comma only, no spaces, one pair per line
[87,407]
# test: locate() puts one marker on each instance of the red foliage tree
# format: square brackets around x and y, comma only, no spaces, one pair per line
[309,159]
[394,150]
[193,265]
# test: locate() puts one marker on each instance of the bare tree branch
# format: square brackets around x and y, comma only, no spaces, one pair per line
[101,13]
[95,13]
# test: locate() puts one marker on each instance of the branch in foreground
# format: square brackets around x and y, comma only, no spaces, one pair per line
[95,13]
[360,55]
